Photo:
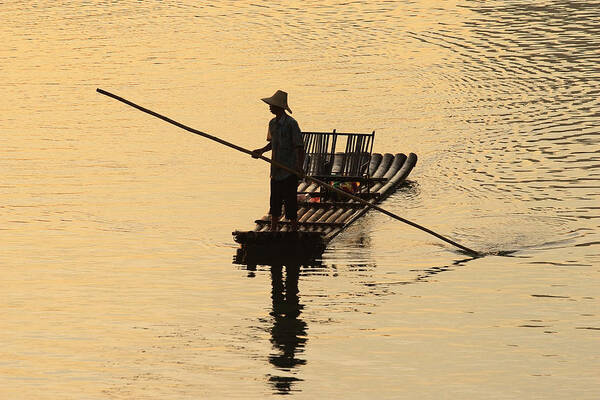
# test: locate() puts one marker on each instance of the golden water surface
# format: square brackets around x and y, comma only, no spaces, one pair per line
[116,260]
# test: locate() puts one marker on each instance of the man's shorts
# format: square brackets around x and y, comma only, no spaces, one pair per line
[284,191]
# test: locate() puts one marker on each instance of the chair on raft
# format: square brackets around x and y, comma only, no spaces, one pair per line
[325,162]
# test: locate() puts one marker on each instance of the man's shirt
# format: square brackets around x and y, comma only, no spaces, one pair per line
[285,137]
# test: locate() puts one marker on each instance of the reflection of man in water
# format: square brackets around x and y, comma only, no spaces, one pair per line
[288,333]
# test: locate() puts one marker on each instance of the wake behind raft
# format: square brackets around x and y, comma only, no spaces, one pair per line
[345,161]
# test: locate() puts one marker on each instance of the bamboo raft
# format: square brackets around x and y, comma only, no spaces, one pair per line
[374,176]
[322,214]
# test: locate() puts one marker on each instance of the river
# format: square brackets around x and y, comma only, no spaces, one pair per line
[117,256]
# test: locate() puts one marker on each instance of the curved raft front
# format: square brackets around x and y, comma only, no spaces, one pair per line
[320,222]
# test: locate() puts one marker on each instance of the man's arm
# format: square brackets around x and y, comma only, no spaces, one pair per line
[299,144]
[258,152]
[300,158]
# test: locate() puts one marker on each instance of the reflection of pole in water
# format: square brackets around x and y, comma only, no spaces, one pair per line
[288,334]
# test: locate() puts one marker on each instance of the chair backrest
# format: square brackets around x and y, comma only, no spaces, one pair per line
[319,148]
[357,154]
[322,153]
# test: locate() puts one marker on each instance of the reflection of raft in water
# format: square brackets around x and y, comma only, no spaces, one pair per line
[323,214]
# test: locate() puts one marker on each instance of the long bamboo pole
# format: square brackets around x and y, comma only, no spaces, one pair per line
[299,173]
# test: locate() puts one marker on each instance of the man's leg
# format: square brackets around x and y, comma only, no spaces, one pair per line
[294,225]
[275,202]
[291,201]
[274,221]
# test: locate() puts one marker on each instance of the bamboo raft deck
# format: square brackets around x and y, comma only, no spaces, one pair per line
[320,222]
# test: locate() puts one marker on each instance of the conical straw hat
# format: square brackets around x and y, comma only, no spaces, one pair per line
[279,99]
